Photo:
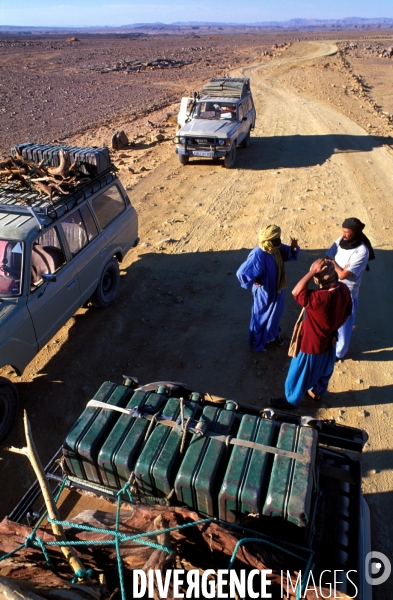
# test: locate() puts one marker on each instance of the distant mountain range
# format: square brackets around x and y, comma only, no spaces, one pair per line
[182,26]
[295,23]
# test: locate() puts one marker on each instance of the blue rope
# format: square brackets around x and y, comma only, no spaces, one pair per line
[81,575]
[116,534]
[276,546]
[119,538]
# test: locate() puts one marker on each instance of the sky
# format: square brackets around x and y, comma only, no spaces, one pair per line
[113,13]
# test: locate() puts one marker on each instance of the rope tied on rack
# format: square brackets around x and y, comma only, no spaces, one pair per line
[82,575]
[118,538]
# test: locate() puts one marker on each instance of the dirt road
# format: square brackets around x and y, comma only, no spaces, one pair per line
[181,313]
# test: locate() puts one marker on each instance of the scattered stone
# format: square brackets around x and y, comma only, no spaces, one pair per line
[119,140]
[359,380]
[179,299]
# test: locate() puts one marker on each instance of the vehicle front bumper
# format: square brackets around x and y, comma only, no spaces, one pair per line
[218,152]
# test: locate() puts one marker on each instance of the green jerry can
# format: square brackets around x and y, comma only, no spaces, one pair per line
[291,482]
[246,478]
[81,444]
[202,469]
[118,454]
[157,465]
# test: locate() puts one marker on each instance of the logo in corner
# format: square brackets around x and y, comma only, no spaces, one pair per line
[377,568]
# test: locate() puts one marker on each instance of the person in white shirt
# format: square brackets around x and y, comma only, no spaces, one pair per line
[350,254]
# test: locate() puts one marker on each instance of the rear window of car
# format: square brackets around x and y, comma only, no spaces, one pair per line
[79,228]
[108,205]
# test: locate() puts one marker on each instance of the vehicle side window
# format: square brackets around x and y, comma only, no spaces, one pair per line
[108,206]
[241,111]
[74,231]
[10,267]
[47,256]
[90,226]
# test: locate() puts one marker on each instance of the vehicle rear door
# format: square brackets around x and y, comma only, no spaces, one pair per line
[243,125]
[117,219]
[51,303]
[88,248]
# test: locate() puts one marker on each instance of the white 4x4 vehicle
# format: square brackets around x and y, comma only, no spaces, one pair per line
[218,121]
[55,254]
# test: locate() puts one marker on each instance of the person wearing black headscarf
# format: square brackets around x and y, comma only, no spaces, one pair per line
[350,255]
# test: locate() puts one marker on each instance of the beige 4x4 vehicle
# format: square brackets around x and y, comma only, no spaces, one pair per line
[55,253]
[217,121]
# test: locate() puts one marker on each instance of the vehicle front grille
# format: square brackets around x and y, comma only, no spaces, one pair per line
[202,142]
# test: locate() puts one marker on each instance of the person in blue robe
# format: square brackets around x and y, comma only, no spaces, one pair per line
[264,271]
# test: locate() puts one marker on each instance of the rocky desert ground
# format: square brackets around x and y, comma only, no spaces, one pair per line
[322,150]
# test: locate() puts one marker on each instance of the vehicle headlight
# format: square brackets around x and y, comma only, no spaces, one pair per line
[182,140]
[221,142]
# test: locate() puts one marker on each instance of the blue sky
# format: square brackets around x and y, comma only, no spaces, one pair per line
[78,13]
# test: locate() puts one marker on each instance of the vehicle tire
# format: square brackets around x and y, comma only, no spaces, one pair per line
[108,285]
[183,159]
[8,406]
[246,142]
[229,160]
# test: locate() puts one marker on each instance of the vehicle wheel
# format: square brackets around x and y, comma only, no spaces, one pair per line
[183,159]
[108,285]
[8,406]
[246,141]
[229,160]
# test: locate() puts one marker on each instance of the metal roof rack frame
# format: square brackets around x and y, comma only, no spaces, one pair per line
[19,201]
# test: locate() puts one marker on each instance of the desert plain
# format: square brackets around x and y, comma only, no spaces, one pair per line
[321,151]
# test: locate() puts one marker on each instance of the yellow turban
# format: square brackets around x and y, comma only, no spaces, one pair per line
[266,237]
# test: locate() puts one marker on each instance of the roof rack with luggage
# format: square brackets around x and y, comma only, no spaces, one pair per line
[231,87]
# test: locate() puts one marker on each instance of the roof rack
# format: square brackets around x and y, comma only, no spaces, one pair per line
[15,199]
[231,87]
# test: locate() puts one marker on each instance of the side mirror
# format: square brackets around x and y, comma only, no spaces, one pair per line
[244,119]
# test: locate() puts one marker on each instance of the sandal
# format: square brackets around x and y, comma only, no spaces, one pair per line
[313,395]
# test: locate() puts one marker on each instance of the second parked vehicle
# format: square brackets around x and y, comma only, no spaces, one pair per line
[216,122]
[55,254]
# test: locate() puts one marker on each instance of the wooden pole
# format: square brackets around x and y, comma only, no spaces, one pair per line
[31,453]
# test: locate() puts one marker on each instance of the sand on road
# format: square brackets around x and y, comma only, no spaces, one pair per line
[181,314]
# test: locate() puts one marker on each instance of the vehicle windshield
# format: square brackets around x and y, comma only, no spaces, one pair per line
[215,110]
[11,253]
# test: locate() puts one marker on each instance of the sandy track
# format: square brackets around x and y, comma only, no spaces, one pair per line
[308,168]
[181,314]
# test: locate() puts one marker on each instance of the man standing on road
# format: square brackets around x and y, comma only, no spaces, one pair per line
[350,255]
[326,310]
[264,271]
